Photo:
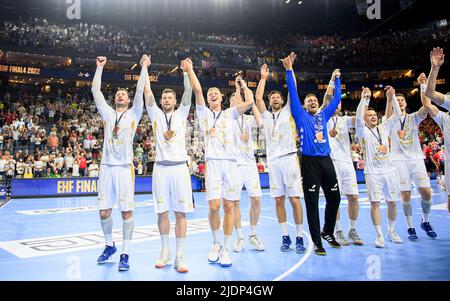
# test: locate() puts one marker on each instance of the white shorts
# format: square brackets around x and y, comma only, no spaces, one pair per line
[116,186]
[284,176]
[172,188]
[249,178]
[409,171]
[221,180]
[385,184]
[346,176]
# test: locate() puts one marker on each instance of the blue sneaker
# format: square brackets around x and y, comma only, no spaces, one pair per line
[123,264]
[107,253]
[428,229]
[412,234]
[299,248]
[286,244]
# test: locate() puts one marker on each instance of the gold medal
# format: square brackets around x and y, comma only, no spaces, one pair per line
[319,136]
[212,132]
[169,134]
[383,148]
[244,137]
[333,133]
[401,134]
[116,132]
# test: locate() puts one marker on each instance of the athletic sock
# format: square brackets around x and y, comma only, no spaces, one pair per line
[252,230]
[239,233]
[391,225]
[426,209]
[352,223]
[107,226]
[407,210]
[180,245]
[337,227]
[128,225]
[215,234]
[284,230]
[299,228]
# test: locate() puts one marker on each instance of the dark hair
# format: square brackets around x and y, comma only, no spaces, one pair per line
[274,92]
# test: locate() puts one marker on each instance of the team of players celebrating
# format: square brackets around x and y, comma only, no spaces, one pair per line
[392,152]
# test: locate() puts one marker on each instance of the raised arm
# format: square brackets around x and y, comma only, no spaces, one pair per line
[422,80]
[437,58]
[148,94]
[426,103]
[362,108]
[187,94]
[257,115]
[99,99]
[248,95]
[195,83]
[389,111]
[330,89]
[138,102]
[260,89]
[332,106]
[390,92]
[296,107]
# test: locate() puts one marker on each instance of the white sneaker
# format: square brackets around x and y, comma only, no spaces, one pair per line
[254,241]
[239,245]
[213,255]
[163,259]
[340,238]
[394,237]
[225,258]
[379,242]
[179,265]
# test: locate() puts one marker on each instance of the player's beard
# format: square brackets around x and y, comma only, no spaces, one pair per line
[121,106]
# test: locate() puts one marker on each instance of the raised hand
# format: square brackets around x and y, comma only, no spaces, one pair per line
[184,65]
[366,93]
[336,74]
[101,61]
[239,81]
[145,61]
[437,57]
[390,92]
[264,72]
[288,61]
[188,64]
[422,79]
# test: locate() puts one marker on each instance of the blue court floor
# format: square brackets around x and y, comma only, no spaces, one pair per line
[60,239]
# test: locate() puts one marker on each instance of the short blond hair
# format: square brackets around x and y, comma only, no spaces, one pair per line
[165,91]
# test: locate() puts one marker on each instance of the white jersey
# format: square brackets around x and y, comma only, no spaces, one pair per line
[340,144]
[118,147]
[243,126]
[376,160]
[443,120]
[217,129]
[174,149]
[280,132]
[408,147]
[118,150]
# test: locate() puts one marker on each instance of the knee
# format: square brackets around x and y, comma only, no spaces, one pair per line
[214,207]
[255,202]
[426,195]
[180,216]
[279,202]
[127,215]
[105,214]
[375,205]
[392,205]
[228,207]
